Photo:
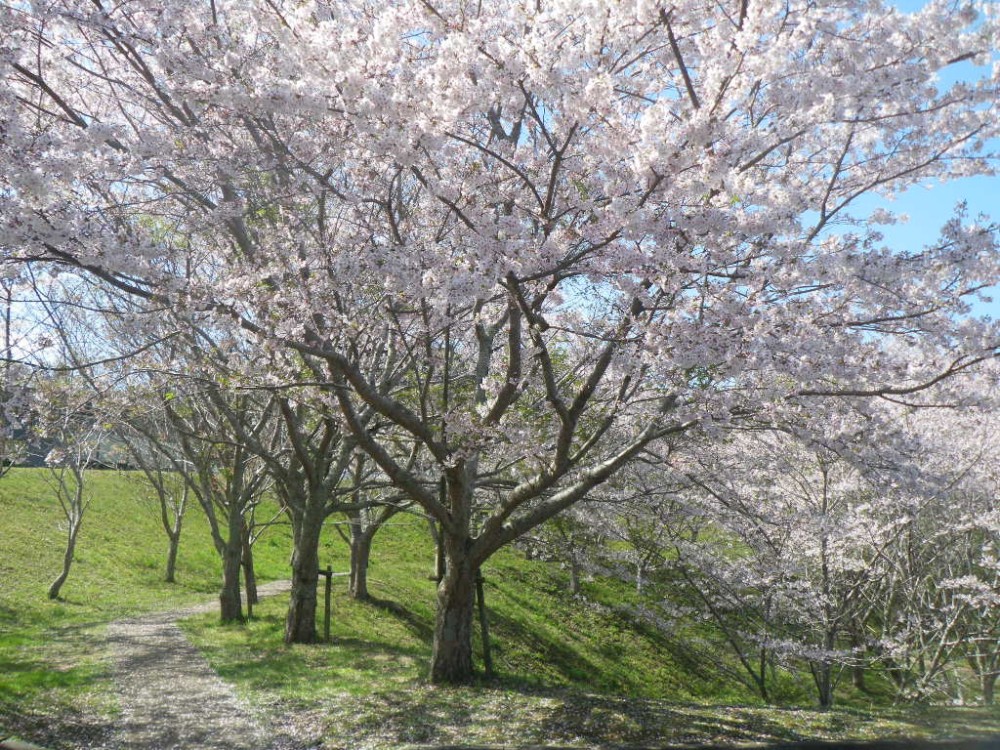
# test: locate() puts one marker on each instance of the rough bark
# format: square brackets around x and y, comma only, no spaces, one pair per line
[230,600]
[361,547]
[451,659]
[300,622]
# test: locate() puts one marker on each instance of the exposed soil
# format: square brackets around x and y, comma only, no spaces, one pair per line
[171,698]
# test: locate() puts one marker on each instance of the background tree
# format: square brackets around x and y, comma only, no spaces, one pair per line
[172,492]
[71,427]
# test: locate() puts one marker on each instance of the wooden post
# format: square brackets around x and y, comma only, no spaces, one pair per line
[440,557]
[484,625]
[328,573]
[326,609]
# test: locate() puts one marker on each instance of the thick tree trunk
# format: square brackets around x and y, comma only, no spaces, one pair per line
[300,623]
[231,606]
[361,548]
[988,683]
[74,529]
[451,660]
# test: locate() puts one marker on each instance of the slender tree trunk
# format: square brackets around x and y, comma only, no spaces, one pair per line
[172,518]
[858,677]
[823,671]
[300,623]
[761,678]
[574,575]
[74,529]
[823,674]
[230,602]
[451,660]
[361,548]
[174,543]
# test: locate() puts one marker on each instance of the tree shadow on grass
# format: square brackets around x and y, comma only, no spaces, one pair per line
[473,717]
[570,715]
[418,626]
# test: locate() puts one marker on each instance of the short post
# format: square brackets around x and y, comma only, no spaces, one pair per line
[439,560]
[484,624]
[326,602]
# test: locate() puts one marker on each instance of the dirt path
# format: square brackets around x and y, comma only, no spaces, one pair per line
[171,698]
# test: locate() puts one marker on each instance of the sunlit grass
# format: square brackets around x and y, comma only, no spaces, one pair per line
[51,655]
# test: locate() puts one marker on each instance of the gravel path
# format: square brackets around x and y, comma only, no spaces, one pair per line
[171,698]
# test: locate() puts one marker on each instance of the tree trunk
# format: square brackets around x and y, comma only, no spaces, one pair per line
[823,671]
[74,529]
[300,623]
[361,548]
[988,682]
[230,602]
[858,677]
[451,660]
[172,527]
[574,575]
[174,543]
[823,674]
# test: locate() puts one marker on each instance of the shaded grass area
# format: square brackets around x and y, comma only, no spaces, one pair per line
[55,679]
[564,669]
[366,689]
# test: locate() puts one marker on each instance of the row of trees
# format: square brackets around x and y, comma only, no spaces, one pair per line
[482,260]
[800,554]
[870,546]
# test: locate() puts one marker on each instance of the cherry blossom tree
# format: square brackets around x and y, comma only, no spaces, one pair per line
[172,492]
[567,232]
[74,434]
[942,600]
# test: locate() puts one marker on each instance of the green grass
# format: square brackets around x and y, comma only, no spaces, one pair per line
[51,660]
[570,671]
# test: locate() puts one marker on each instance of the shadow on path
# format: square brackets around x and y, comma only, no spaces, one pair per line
[169,695]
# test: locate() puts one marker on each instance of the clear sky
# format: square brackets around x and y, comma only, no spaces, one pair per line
[929,207]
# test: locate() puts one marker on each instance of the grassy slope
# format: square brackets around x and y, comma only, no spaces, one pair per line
[563,665]
[49,659]
[569,671]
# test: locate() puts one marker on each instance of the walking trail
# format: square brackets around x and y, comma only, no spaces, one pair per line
[171,698]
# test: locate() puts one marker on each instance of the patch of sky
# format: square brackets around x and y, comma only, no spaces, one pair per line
[933,203]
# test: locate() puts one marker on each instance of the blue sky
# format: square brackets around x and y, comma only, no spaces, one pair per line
[929,207]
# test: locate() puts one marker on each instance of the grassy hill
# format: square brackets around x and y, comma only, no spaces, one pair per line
[50,660]
[569,670]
